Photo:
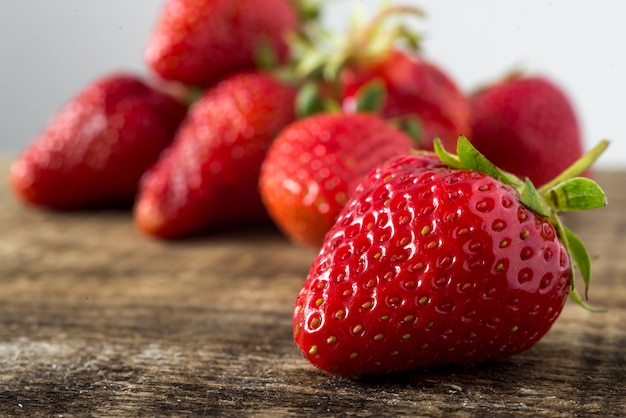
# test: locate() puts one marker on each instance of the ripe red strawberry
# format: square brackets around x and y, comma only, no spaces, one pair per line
[313,166]
[96,148]
[372,72]
[199,42]
[415,88]
[528,126]
[208,177]
[430,265]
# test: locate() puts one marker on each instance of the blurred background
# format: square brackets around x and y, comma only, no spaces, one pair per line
[51,49]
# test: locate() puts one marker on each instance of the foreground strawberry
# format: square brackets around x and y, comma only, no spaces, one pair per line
[208,177]
[314,165]
[199,42]
[95,149]
[526,125]
[432,264]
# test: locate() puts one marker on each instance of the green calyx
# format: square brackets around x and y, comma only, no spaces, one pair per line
[321,53]
[309,10]
[368,41]
[319,56]
[309,20]
[566,192]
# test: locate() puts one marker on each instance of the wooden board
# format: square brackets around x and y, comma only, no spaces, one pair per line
[98,320]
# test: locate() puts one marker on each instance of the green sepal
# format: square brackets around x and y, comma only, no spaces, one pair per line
[309,101]
[579,256]
[265,56]
[531,198]
[192,95]
[473,160]
[411,39]
[371,97]
[309,10]
[413,127]
[310,65]
[446,157]
[579,193]
[576,298]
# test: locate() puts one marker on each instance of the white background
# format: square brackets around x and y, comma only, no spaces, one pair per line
[51,49]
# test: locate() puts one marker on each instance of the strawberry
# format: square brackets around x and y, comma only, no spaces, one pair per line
[313,166]
[208,177]
[526,125]
[95,149]
[199,42]
[441,260]
[372,72]
[416,90]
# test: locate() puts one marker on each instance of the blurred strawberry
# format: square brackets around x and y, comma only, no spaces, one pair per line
[528,126]
[313,166]
[199,42]
[417,90]
[95,149]
[209,176]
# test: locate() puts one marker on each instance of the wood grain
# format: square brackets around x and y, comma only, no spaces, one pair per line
[97,320]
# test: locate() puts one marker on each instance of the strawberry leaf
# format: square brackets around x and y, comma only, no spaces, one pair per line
[574,194]
[576,298]
[579,256]
[411,39]
[190,95]
[309,10]
[413,127]
[473,160]
[311,64]
[309,101]
[446,157]
[531,198]
[579,260]
[265,56]
[371,97]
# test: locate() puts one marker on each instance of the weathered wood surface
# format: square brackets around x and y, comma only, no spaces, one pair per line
[97,320]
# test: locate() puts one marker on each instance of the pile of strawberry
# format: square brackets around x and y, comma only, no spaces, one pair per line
[426,258]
